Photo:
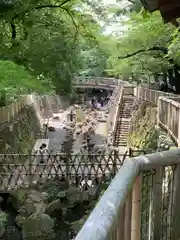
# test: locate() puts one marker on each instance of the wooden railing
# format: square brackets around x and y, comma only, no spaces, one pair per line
[151,95]
[46,104]
[168,105]
[10,111]
[114,108]
[169,117]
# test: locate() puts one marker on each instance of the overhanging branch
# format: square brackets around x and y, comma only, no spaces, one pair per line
[17,15]
[155,48]
[53,6]
[73,20]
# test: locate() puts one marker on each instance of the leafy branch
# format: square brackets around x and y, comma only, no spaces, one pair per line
[17,15]
[155,48]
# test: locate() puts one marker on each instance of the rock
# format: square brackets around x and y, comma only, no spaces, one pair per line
[30,207]
[44,196]
[35,196]
[51,129]
[62,194]
[53,206]
[52,188]
[3,221]
[20,220]
[38,227]
[18,197]
[56,117]
[71,191]
[27,208]
[12,233]
[2,230]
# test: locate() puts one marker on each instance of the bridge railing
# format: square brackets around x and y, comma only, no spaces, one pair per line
[97,80]
[142,201]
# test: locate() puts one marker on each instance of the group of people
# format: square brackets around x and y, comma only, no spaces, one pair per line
[98,103]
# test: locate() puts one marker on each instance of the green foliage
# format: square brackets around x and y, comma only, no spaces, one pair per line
[59,40]
[15,80]
[3,218]
[143,48]
[46,37]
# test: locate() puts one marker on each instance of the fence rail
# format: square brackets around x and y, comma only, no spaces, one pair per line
[114,107]
[152,95]
[169,116]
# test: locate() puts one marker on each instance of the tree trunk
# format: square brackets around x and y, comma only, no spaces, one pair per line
[177,78]
[170,75]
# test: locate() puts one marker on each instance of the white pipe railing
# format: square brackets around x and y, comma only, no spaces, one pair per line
[107,220]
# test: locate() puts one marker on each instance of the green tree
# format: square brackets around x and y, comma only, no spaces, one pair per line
[44,36]
[15,80]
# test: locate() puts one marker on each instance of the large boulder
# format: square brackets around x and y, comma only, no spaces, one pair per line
[38,227]
[18,197]
[53,206]
[30,207]
[28,202]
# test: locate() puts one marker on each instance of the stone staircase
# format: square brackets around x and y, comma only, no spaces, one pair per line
[123,123]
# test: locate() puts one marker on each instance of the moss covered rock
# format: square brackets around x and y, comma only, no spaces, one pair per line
[18,197]
[53,206]
[38,226]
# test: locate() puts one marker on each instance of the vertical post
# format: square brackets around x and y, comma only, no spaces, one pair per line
[128,212]
[31,160]
[136,210]
[158,110]
[178,140]
[175,207]
[120,226]
[157,196]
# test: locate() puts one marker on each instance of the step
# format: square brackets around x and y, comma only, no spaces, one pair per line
[126,113]
[122,129]
[121,138]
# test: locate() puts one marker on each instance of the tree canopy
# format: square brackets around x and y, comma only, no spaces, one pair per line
[55,41]
[146,47]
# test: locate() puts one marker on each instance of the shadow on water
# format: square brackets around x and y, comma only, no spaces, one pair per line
[12,231]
